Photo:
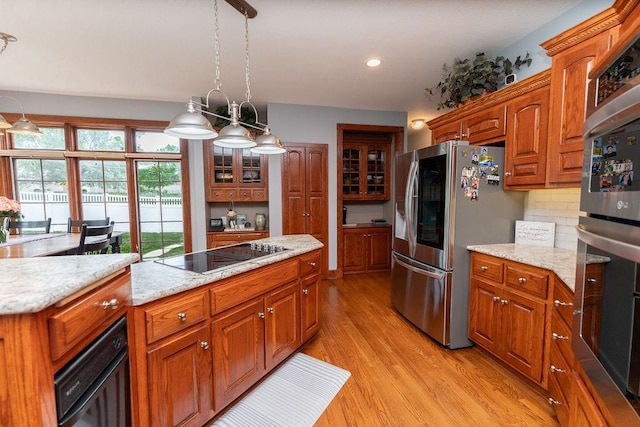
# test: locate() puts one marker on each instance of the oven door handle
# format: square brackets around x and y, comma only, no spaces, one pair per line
[615,247]
[430,274]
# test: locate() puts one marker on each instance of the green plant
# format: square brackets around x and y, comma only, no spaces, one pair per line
[466,78]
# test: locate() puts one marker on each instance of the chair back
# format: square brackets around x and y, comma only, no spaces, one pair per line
[95,240]
[74,225]
[31,227]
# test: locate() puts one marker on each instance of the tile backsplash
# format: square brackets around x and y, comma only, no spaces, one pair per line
[561,206]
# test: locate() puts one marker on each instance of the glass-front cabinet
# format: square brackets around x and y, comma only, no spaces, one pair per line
[365,171]
[234,174]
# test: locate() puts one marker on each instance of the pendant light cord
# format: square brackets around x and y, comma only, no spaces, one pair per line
[217,82]
[247,72]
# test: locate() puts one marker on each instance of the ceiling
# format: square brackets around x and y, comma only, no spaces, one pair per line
[309,52]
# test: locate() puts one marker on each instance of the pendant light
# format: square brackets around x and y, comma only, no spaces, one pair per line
[193,125]
[23,126]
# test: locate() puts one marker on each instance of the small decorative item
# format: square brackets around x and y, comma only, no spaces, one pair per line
[9,209]
[261,221]
[231,216]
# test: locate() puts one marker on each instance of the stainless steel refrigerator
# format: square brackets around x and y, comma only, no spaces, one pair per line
[447,196]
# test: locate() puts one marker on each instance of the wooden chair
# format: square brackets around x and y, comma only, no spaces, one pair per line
[99,241]
[75,225]
[31,227]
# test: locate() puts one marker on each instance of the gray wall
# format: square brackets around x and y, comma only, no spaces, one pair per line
[313,124]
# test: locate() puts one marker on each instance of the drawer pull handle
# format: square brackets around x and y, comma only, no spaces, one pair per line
[504,302]
[496,299]
[261,315]
[559,303]
[556,370]
[592,280]
[182,316]
[112,304]
[204,345]
[312,264]
[522,280]
[552,401]
[559,337]
[305,291]
[484,268]
[270,310]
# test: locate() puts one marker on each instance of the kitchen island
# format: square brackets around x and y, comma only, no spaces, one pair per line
[239,321]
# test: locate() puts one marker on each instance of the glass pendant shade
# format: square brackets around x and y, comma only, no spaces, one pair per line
[191,125]
[24,127]
[234,136]
[4,124]
[268,144]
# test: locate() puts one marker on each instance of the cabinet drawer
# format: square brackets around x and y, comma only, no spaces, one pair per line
[80,318]
[245,194]
[169,317]
[310,263]
[259,195]
[488,125]
[527,279]
[560,384]
[487,267]
[563,303]
[222,195]
[249,285]
[561,335]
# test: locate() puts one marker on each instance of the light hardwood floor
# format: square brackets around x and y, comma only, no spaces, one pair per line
[400,377]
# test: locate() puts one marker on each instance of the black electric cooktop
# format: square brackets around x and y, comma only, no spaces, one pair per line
[214,259]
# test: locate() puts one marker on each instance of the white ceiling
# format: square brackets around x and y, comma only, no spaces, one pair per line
[308,52]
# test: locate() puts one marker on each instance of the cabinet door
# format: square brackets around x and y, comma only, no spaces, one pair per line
[355,250]
[522,330]
[484,314]
[181,374]
[584,411]
[447,132]
[238,338]
[526,143]
[282,324]
[486,126]
[376,177]
[379,249]
[569,102]
[310,305]
[294,191]
[352,164]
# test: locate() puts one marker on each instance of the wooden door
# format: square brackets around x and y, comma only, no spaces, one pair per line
[584,411]
[526,143]
[305,203]
[446,132]
[181,374]
[486,126]
[522,332]
[569,82]
[484,315]
[238,338]
[310,305]
[355,250]
[379,249]
[282,324]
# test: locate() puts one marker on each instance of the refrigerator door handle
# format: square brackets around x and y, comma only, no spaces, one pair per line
[616,247]
[409,206]
[437,276]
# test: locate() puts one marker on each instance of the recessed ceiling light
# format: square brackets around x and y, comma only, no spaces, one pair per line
[373,62]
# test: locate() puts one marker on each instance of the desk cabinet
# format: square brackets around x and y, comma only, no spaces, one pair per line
[366,248]
[366,171]
[225,238]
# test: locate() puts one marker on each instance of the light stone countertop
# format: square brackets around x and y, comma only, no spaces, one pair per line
[30,285]
[152,280]
[560,261]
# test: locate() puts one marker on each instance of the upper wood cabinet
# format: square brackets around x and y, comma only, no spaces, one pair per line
[234,175]
[366,171]
[485,126]
[573,53]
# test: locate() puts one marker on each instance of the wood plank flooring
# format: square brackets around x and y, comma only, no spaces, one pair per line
[400,377]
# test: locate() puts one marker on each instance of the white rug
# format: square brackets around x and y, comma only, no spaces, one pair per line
[295,395]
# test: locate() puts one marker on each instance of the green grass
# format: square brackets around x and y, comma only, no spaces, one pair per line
[153,241]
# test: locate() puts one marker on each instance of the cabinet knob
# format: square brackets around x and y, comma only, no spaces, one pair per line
[559,303]
[112,304]
[554,369]
[552,401]
[312,264]
[204,345]
[504,302]
[270,310]
[507,174]
[559,337]
[522,280]
[591,280]
[496,299]
[305,291]
[484,268]
[261,314]
[182,316]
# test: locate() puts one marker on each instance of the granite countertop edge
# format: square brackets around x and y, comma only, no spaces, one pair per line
[560,261]
[31,285]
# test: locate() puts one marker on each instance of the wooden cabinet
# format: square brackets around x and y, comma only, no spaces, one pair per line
[366,248]
[305,198]
[447,132]
[35,346]
[584,411]
[573,54]
[507,309]
[486,126]
[310,294]
[365,171]
[216,239]
[526,142]
[181,370]
[234,175]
